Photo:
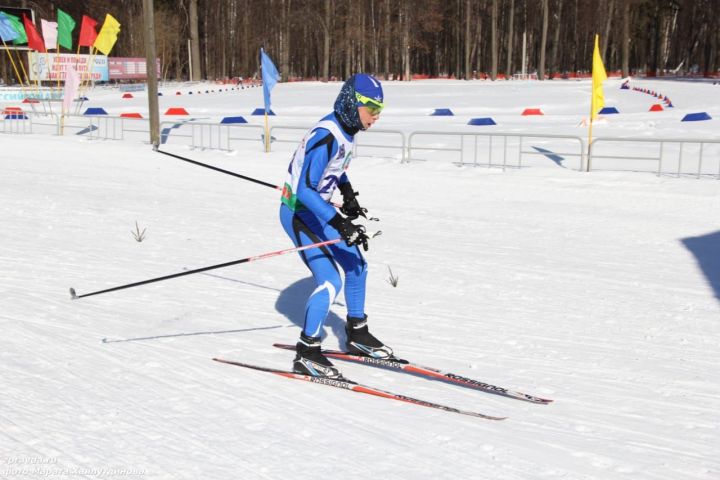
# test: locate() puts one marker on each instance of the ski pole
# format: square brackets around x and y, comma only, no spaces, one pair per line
[228,172]
[75,296]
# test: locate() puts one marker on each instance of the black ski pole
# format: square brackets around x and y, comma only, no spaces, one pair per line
[228,172]
[75,296]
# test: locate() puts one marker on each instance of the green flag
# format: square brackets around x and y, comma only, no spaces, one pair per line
[65,27]
[18,26]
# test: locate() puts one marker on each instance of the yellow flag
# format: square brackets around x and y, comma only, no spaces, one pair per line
[108,35]
[598,77]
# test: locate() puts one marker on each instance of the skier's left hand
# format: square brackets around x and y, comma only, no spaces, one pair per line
[351,207]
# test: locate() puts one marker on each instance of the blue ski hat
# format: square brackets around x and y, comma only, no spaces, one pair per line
[346,103]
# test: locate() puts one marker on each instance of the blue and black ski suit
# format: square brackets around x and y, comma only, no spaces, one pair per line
[317,168]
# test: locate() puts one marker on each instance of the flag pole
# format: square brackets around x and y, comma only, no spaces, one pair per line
[267,133]
[13,63]
[22,67]
[88,73]
[59,67]
[592,110]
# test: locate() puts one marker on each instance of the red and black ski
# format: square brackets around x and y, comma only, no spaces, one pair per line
[346,384]
[402,365]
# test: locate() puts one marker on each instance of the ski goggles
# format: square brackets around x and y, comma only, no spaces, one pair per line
[373,106]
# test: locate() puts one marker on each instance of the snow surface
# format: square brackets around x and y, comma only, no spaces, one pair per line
[599,290]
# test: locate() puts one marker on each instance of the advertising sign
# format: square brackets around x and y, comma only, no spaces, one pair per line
[52,66]
[125,68]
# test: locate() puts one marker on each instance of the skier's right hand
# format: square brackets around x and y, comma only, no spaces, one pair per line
[351,233]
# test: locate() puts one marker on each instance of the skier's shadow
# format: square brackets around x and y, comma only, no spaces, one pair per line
[291,303]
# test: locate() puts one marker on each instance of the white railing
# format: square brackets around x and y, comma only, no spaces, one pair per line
[666,156]
[486,148]
[674,156]
[277,136]
[206,135]
[18,124]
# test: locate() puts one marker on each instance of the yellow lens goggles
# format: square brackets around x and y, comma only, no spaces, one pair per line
[373,106]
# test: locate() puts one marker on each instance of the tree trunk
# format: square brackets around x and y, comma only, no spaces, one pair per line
[468,40]
[387,39]
[326,40]
[247,63]
[286,40]
[626,40]
[363,36]
[510,36]
[543,40]
[605,41]
[554,67]
[194,40]
[405,21]
[494,41]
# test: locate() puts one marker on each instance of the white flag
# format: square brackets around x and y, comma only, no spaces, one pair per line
[72,82]
[49,30]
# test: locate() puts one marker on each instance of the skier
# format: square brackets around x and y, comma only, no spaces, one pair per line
[316,170]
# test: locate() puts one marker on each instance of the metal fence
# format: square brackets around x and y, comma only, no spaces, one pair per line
[496,149]
[18,124]
[678,157]
[206,135]
[668,156]
[369,139]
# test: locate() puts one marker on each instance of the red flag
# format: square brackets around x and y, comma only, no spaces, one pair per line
[87,32]
[35,41]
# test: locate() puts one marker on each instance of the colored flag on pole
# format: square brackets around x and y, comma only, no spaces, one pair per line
[18,26]
[72,82]
[7,32]
[65,26]
[34,40]
[598,77]
[49,30]
[270,77]
[108,35]
[87,32]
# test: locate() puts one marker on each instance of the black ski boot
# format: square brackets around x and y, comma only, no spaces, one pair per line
[310,360]
[361,342]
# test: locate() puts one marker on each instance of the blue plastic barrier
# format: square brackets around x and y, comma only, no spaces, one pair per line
[482,121]
[696,117]
[234,120]
[442,112]
[608,110]
[95,111]
[261,111]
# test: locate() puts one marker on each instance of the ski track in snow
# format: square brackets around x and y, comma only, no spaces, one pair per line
[561,284]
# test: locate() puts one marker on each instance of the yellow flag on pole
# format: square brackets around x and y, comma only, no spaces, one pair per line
[598,77]
[108,35]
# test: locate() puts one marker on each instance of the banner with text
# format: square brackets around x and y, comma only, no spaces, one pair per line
[126,68]
[53,67]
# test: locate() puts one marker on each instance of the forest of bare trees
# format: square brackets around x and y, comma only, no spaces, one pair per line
[399,38]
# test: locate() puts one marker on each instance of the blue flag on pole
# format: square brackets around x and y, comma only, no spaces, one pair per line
[7,31]
[270,77]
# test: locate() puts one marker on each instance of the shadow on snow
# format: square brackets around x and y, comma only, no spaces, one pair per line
[706,249]
[291,303]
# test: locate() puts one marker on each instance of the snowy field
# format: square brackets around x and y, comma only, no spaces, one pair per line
[599,290]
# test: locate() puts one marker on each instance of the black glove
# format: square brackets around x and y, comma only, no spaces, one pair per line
[350,206]
[351,233]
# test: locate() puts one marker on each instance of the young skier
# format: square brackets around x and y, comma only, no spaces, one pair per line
[316,170]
